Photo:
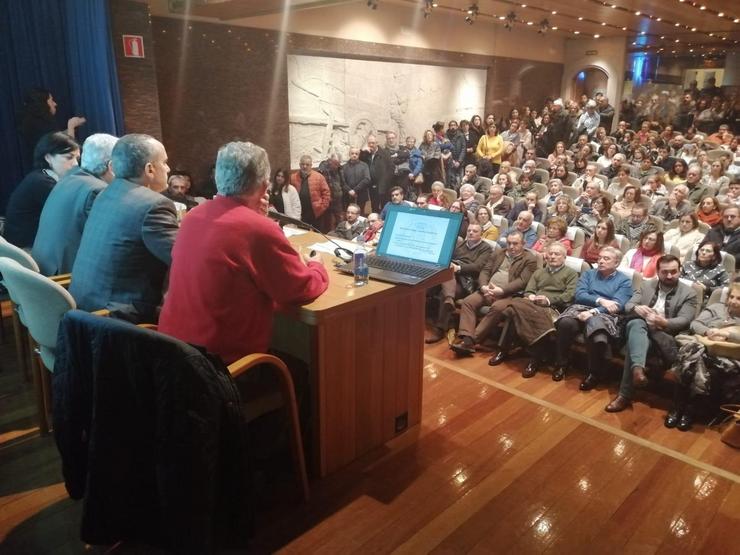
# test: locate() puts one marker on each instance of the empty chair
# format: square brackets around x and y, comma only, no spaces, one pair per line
[577,238]
[501,223]
[450,195]
[542,174]
[577,264]
[543,163]
[41,304]
[572,192]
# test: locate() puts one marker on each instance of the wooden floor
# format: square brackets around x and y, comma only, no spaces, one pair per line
[499,464]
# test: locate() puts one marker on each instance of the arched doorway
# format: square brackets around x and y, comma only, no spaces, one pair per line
[589,81]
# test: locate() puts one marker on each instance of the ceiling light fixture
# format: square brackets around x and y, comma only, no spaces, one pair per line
[372,4]
[509,21]
[544,27]
[472,13]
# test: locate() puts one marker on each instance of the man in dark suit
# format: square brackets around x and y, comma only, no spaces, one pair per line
[66,210]
[125,249]
[382,172]
[658,312]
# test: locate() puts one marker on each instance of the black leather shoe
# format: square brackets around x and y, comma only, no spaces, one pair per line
[672,419]
[530,370]
[685,422]
[618,404]
[589,382]
[463,347]
[436,335]
[558,374]
[498,358]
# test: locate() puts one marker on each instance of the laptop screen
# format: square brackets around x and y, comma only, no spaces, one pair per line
[420,235]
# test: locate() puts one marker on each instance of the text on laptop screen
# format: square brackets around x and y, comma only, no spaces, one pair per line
[420,235]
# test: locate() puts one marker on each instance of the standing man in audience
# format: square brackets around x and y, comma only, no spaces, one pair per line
[356,178]
[126,246]
[589,120]
[457,155]
[68,206]
[379,162]
[656,314]
[232,266]
[727,233]
[314,193]
[506,273]
[399,156]
[606,114]
[467,262]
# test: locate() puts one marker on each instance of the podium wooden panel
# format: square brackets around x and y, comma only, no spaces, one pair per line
[365,349]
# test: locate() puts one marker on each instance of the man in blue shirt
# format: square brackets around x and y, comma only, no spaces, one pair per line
[600,295]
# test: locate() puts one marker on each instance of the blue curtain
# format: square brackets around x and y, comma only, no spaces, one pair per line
[63,46]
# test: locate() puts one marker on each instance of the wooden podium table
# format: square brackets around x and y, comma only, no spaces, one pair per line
[364,346]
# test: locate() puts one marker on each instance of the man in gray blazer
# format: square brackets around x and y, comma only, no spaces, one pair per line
[125,249]
[659,310]
[66,210]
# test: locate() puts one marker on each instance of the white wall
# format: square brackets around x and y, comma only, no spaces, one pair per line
[404,25]
[610,57]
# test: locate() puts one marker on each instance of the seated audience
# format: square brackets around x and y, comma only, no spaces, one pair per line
[489,231]
[676,174]
[630,197]
[467,197]
[125,251]
[554,192]
[371,236]
[283,196]
[522,224]
[437,197]
[396,198]
[589,217]
[353,225]
[68,206]
[653,188]
[654,316]
[524,185]
[634,226]
[727,234]
[529,203]
[468,260]
[531,317]
[697,372]
[603,237]
[673,206]
[506,273]
[55,154]
[497,203]
[697,191]
[480,184]
[457,206]
[565,209]
[707,268]
[732,196]
[601,294]
[178,189]
[644,258]
[686,236]
[231,266]
[555,231]
[709,211]
[716,178]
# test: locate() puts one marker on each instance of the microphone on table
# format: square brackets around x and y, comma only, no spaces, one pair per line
[340,252]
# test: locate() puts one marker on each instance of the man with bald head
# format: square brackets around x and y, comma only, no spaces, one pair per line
[125,249]
[522,224]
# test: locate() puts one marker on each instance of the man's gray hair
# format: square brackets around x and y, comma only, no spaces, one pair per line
[618,254]
[557,246]
[471,167]
[467,187]
[131,155]
[96,153]
[241,168]
[515,233]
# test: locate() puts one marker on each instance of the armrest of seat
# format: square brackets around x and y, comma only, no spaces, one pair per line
[242,365]
[102,312]
[62,279]
[148,326]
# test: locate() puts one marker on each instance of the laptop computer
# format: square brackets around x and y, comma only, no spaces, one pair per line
[415,245]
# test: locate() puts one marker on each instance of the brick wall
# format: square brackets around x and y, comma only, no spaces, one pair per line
[137,76]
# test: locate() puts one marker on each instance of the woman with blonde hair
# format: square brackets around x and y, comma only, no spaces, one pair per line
[564,208]
[490,147]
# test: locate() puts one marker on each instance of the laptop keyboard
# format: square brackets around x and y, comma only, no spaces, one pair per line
[400,267]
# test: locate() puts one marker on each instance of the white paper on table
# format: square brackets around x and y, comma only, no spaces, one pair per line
[293,231]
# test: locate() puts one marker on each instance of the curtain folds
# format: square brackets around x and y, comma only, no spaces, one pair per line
[63,46]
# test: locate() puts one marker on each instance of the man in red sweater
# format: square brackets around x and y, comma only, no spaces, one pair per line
[232,266]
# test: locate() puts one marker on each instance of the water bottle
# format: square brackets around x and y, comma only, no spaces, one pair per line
[359,264]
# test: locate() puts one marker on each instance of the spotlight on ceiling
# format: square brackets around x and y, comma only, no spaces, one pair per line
[372,4]
[510,20]
[472,13]
[428,6]
[544,27]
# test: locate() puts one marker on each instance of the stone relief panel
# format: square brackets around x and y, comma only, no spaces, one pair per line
[335,103]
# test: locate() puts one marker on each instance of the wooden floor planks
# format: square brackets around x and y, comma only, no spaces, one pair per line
[499,464]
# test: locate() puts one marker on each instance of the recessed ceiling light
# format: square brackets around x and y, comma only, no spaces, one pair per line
[638,13]
[554,12]
[624,28]
[676,24]
[603,23]
[721,14]
[501,17]
[693,29]
[530,22]
[596,36]
[554,28]
[658,19]
[580,19]
[703,8]
[576,32]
